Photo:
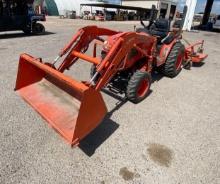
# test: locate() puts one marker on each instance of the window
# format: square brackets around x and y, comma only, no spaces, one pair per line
[172,12]
[163,10]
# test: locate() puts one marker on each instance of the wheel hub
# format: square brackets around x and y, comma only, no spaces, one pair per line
[143,88]
[179,61]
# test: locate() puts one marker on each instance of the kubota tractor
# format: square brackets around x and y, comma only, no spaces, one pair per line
[75,108]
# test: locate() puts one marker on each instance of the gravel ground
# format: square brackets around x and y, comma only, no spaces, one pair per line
[171,137]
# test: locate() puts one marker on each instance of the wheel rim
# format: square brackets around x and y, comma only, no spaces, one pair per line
[179,61]
[143,88]
[39,29]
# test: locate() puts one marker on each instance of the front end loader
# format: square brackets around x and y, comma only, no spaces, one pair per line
[71,107]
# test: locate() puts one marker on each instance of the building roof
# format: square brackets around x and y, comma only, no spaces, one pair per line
[140,0]
[172,1]
[147,10]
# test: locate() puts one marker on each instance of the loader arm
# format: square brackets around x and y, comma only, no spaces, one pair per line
[80,43]
[116,57]
[108,67]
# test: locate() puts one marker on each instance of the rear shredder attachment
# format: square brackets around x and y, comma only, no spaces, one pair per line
[70,107]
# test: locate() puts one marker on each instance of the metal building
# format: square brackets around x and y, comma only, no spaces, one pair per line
[167,8]
[60,7]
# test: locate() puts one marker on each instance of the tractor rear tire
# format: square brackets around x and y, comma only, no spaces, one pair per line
[138,86]
[173,64]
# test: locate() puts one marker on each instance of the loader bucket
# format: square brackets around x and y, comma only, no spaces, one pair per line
[70,107]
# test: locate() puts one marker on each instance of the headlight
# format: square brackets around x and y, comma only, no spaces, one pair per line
[106,46]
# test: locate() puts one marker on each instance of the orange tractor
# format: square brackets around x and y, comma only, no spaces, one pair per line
[74,108]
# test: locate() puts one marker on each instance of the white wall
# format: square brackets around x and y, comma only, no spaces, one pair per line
[169,2]
[74,5]
[143,4]
[149,3]
[71,5]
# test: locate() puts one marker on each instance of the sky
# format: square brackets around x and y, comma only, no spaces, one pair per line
[200,7]
[114,1]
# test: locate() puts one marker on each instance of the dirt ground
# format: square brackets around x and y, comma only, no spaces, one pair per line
[172,137]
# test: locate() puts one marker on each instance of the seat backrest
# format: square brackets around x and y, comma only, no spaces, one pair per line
[162,24]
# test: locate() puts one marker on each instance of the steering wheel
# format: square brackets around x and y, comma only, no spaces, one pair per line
[142,23]
[153,15]
[148,26]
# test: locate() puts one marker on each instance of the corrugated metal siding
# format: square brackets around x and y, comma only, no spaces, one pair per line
[70,5]
[51,7]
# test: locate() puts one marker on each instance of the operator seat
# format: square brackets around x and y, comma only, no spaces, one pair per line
[160,28]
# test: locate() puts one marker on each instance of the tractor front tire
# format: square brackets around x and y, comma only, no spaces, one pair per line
[173,64]
[138,86]
[38,28]
[27,30]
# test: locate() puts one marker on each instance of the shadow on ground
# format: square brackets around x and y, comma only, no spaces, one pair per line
[9,35]
[156,76]
[98,136]
[208,28]
[197,65]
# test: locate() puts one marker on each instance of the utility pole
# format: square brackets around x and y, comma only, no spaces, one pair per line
[207,12]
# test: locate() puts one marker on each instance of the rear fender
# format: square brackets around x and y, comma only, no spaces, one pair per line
[164,52]
[36,18]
